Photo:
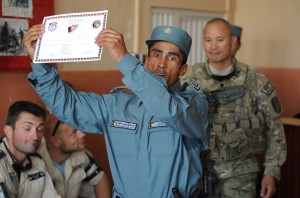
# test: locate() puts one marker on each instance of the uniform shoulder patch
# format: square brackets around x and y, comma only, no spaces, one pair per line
[276,105]
[268,88]
[117,89]
[2,154]
[193,86]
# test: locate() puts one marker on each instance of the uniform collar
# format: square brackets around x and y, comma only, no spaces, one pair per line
[221,78]
[10,158]
[176,87]
[4,147]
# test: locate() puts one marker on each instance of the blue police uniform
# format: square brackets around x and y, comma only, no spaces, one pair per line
[153,135]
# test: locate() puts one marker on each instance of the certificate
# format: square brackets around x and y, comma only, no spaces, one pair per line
[71,37]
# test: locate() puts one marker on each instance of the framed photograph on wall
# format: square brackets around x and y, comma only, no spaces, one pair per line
[19,16]
[12,51]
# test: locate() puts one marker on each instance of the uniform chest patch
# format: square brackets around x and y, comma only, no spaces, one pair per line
[156,124]
[124,125]
[36,176]
[13,177]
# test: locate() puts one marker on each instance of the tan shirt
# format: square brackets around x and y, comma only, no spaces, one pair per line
[69,184]
[34,182]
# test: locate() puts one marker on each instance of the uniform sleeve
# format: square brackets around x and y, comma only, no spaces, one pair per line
[3,182]
[84,111]
[185,112]
[93,171]
[270,106]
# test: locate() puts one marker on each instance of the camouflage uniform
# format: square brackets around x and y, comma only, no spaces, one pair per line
[242,128]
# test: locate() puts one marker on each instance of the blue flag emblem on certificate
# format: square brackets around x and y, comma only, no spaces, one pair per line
[52,26]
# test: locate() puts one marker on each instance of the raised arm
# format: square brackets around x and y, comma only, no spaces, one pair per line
[31,37]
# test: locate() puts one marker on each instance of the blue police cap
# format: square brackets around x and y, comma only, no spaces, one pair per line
[173,35]
[237,31]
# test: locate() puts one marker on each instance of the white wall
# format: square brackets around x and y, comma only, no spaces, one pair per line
[271,32]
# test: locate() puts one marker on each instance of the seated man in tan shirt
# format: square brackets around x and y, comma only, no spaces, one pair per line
[73,170]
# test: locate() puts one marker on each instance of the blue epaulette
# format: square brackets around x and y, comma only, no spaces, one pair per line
[117,89]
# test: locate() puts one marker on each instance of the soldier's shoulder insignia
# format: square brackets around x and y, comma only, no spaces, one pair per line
[2,154]
[194,86]
[276,105]
[268,88]
[117,89]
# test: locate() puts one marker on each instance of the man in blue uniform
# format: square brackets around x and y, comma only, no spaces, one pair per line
[154,134]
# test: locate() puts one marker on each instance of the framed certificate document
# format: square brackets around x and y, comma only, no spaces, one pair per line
[71,37]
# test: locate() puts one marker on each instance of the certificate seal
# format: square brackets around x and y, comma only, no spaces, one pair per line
[52,26]
[96,24]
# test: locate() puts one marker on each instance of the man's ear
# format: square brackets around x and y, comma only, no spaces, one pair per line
[8,130]
[234,40]
[146,61]
[183,69]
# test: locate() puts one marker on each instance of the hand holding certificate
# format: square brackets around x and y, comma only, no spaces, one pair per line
[71,37]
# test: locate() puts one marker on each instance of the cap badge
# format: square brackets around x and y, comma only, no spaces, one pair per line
[168,30]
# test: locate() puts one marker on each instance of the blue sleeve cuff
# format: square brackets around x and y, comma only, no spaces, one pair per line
[40,69]
[41,73]
[127,63]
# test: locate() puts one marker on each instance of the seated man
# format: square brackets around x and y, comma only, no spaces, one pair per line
[22,170]
[72,168]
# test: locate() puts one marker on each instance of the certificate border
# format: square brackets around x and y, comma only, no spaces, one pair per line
[73,15]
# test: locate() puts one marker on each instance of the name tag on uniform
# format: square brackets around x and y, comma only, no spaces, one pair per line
[36,176]
[124,125]
[13,177]
[157,124]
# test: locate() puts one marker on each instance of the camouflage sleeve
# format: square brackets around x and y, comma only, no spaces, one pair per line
[270,107]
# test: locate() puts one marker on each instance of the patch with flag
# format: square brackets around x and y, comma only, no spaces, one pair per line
[124,125]
[156,124]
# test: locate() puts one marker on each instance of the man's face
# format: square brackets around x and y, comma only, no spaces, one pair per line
[70,139]
[165,59]
[217,42]
[27,134]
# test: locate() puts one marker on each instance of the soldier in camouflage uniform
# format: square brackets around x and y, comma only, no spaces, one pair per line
[245,117]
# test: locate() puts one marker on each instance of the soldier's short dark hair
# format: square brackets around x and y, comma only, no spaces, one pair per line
[23,106]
